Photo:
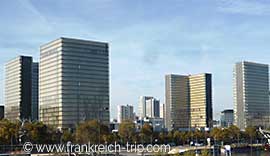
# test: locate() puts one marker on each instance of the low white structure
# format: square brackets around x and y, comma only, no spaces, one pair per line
[156,123]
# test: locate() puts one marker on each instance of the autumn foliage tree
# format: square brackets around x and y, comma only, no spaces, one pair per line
[38,132]
[126,131]
[91,131]
[147,133]
[8,132]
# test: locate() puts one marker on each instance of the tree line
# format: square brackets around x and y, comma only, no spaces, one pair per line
[14,133]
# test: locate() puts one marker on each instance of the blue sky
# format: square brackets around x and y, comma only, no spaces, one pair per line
[148,39]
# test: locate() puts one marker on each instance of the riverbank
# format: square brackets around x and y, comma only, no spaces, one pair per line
[234,148]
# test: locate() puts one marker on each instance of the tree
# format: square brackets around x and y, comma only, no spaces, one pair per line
[177,137]
[126,131]
[109,138]
[147,133]
[67,136]
[198,134]
[170,136]
[38,132]
[234,133]
[251,133]
[217,134]
[137,137]
[184,137]
[8,132]
[18,132]
[162,137]
[91,131]
[189,136]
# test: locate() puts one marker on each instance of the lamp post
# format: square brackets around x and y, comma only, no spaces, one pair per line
[22,132]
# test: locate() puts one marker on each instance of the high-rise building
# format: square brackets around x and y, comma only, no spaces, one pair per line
[188,101]
[18,88]
[251,94]
[2,112]
[177,102]
[73,82]
[162,110]
[152,108]
[142,106]
[34,110]
[226,118]
[125,113]
[201,111]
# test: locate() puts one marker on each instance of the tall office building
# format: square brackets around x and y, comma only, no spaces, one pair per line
[226,118]
[188,101]
[34,110]
[19,88]
[73,82]
[177,102]
[201,111]
[142,106]
[125,113]
[152,108]
[251,94]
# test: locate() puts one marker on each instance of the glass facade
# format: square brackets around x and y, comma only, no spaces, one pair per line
[226,118]
[142,105]
[188,101]
[153,108]
[34,110]
[125,113]
[251,94]
[177,112]
[74,82]
[201,100]
[18,88]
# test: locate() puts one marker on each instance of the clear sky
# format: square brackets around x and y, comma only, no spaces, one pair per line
[148,39]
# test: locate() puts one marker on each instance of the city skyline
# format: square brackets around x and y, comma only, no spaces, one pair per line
[193,43]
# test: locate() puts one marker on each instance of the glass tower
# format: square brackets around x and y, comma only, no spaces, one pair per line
[18,89]
[251,94]
[73,82]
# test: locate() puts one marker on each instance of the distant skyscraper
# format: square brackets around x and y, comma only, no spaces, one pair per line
[125,113]
[162,110]
[251,94]
[74,82]
[142,106]
[2,112]
[152,108]
[201,111]
[226,118]
[177,102]
[19,88]
[34,110]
